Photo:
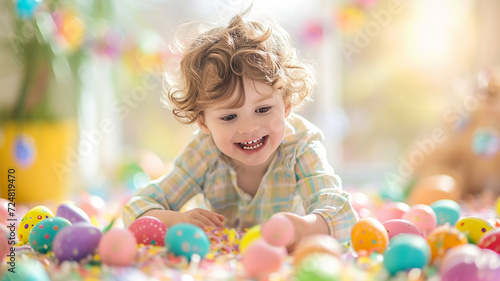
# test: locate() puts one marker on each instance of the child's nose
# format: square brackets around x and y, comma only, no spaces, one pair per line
[247,126]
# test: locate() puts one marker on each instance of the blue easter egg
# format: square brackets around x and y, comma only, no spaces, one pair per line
[186,239]
[406,245]
[42,234]
[447,211]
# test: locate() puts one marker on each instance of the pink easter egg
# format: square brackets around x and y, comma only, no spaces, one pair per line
[423,217]
[278,231]
[398,226]
[4,210]
[118,247]
[148,231]
[392,210]
[4,242]
[490,240]
[261,259]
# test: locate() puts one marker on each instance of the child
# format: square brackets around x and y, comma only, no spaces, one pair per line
[252,157]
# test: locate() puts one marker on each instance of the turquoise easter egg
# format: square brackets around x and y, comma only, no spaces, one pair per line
[42,234]
[186,239]
[447,211]
[406,245]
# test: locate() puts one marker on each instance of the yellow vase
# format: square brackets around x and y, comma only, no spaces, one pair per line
[45,145]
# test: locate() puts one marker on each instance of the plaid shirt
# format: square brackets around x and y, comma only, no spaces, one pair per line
[299,180]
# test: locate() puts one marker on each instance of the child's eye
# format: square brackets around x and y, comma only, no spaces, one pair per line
[263,109]
[228,117]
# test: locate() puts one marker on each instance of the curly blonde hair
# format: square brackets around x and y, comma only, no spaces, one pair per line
[214,64]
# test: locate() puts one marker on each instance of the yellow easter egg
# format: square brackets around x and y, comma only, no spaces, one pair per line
[369,235]
[32,217]
[474,228]
[249,237]
[442,239]
[498,207]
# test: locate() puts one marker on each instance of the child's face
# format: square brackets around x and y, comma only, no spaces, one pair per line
[251,133]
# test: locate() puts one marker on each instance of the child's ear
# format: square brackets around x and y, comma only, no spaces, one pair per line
[288,109]
[202,125]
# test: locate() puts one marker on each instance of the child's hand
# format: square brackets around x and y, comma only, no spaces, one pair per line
[301,227]
[202,218]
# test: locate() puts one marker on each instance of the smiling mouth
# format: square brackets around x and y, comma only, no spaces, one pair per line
[253,144]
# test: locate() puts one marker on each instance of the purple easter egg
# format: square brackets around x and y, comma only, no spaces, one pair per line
[72,213]
[76,242]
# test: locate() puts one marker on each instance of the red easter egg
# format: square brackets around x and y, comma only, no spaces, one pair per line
[490,240]
[148,231]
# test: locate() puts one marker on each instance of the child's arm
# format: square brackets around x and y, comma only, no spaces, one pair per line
[197,216]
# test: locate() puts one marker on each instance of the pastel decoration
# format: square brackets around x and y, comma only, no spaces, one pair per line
[72,213]
[24,150]
[319,267]
[474,228]
[118,247]
[442,239]
[423,217]
[485,142]
[261,259]
[469,262]
[369,235]
[399,226]
[447,211]
[413,247]
[26,8]
[392,210]
[148,231]
[30,219]
[249,237]
[43,233]
[316,244]
[92,204]
[490,240]
[278,231]
[186,239]
[76,242]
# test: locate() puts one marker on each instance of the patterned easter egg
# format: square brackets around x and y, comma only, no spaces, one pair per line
[442,239]
[186,239]
[369,235]
[474,228]
[32,217]
[118,247]
[148,231]
[43,233]
[447,211]
[76,242]
[423,217]
[72,213]
[490,240]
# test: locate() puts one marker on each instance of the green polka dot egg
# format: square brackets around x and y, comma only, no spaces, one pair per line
[43,233]
[32,217]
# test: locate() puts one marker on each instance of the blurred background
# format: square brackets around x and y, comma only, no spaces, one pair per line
[81,83]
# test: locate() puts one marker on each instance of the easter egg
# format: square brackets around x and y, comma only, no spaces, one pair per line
[442,239]
[473,227]
[398,226]
[148,231]
[278,231]
[186,239]
[76,242]
[490,240]
[4,240]
[117,247]
[249,237]
[72,213]
[469,262]
[423,217]
[447,211]
[32,217]
[368,234]
[4,210]
[92,205]
[319,267]
[406,251]
[392,210]
[433,188]
[261,259]
[314,244]
[27,270]
[42,234]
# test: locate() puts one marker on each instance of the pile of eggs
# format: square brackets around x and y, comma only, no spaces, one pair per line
[436,235]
